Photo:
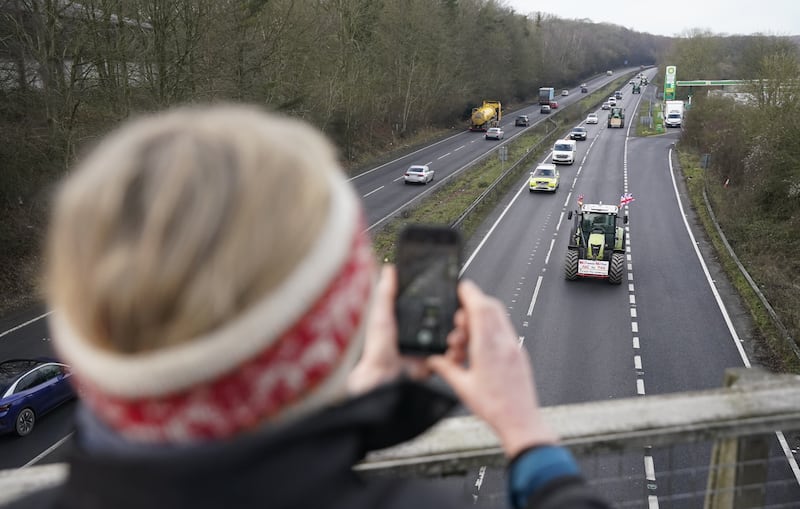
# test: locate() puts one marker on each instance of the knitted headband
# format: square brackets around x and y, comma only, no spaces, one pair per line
[286,356]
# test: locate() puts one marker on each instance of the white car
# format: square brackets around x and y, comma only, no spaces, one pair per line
[494,133]
[564,152]
[612,101]
[418,174]
[565,92]
[591,118]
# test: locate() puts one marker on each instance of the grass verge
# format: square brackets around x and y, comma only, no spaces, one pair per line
[781,358]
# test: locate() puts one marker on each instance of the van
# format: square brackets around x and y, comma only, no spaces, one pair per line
[564,151]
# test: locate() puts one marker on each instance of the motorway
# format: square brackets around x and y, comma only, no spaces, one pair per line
[383,194]
[665,329]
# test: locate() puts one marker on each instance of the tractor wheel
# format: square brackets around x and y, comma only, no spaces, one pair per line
[571,265]
[617,268]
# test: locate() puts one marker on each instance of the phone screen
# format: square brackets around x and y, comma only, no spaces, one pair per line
[428,262]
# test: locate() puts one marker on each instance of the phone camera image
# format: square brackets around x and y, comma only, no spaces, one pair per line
[428,263]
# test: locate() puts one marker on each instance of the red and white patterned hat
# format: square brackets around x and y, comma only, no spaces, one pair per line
[286,356]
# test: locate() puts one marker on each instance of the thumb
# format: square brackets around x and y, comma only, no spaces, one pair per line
[452,373]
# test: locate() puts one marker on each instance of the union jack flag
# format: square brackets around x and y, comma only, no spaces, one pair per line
[625,199]
[580,200]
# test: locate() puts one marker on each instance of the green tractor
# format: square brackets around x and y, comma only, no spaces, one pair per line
[597,245]
[637,89]
[616,117]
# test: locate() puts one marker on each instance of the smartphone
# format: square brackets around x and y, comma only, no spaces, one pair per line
[428,261]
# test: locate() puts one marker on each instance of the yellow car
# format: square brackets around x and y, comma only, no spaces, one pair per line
[544,178]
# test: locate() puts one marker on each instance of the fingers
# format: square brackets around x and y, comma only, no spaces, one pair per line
[381,323]
[452,373]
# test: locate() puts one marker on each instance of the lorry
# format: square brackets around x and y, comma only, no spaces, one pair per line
[616,117]
[597,244]
[485,116]
[673,113]
[637,89]
[546,95]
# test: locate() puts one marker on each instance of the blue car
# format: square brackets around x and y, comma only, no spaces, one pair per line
[29,388]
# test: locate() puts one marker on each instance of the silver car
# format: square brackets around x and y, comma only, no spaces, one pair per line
[418,174]
[494,133]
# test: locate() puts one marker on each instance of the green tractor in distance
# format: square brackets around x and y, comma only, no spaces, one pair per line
[597,245]
[616,117]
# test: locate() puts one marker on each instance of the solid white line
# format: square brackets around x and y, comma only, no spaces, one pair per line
[640,389]
[47,451]
[9,331]
[710,281]
[375,191]
[535,293]
[549,252]
[491,230]
[652,502]
[788,452]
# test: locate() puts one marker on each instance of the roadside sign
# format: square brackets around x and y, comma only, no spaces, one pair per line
[503,153]
[669,82]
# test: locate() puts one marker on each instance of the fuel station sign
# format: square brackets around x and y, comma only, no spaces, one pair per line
[669,83]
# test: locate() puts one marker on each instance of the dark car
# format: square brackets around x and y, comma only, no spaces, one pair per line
[522,120]
[578,133]
[29,388]
[618,94]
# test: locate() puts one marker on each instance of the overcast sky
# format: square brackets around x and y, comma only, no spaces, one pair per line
[673,17]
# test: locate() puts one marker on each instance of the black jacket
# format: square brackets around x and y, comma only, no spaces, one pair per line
[304,465]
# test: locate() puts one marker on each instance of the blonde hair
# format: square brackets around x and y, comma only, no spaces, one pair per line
[178,222]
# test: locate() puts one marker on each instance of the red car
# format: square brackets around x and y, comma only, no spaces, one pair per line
[553,104]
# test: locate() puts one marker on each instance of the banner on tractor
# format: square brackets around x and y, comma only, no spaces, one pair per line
[592,268]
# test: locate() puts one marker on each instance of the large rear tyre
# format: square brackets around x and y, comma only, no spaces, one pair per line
[571,265]
[617,268]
